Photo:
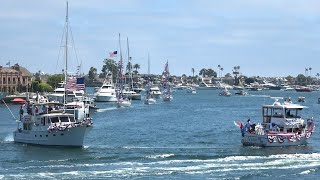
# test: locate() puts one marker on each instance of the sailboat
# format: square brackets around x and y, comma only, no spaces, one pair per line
[166,86]
[128,90]
[51,127]
[149,99]
[122,100]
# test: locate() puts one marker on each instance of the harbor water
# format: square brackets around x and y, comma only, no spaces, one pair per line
[191,137]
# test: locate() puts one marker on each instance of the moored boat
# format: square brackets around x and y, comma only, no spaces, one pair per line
[282,125]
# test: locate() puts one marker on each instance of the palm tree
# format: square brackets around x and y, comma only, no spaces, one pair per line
[136,66]
[310,70]
[318,74]
[219,67]
[129,67]
[192,70]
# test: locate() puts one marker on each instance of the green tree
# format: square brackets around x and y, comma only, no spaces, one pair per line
[249,80]
[44,87]
[54,80]
[203,72]
[109,66]
[301,79]
[290,79]
[92,74]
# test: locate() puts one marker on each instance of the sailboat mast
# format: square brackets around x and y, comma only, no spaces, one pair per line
[66,57]
[130,65]
[149,64]
[120,70]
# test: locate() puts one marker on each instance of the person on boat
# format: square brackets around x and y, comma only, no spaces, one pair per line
[36,110]
[50,108]
[248,125]
[21,112]
[310,124]
[44,109]
[289,114]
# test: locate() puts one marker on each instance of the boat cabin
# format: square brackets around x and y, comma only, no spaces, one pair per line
[285,117]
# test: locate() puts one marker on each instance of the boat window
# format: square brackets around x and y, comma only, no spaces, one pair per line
[72,119]
[54,119]
[43,121]
[277,112]
[64,119]
[78,94]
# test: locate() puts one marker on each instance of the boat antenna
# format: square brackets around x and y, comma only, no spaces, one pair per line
[130,65]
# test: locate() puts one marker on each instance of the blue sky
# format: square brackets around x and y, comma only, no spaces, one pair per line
[263,37]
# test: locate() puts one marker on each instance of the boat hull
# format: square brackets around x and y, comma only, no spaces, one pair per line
[135,96]
[149,101]
[68,137]
[124,104]
[111,98]
[275,140]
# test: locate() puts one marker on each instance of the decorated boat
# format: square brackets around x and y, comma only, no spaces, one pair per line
[282,125]
[53,128]
[166,86]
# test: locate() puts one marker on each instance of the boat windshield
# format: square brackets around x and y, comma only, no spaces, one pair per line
[293,113]
[54,119]
[64,119]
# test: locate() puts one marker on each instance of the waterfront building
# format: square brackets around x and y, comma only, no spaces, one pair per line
[15,78]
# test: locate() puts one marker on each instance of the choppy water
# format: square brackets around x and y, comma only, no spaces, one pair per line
[192,137]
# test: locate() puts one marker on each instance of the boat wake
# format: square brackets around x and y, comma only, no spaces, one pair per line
[106,109]
[166,164]
[9,138]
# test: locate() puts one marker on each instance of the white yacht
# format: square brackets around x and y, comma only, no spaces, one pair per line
[106,93]
[55,128]
[131,94]
[155,92]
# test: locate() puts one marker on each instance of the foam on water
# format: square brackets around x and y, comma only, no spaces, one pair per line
[107,109]
[159,156]
[9,138]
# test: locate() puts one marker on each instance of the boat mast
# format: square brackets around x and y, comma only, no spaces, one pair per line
[130,65]
[120,71]
[66,57]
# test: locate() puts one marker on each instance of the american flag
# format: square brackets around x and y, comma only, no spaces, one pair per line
[71,84]
[75,84]
[80,83]
[113,54]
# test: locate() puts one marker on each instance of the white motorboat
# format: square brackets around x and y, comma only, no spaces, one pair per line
[123,103]
[106,93]
[54,129]
[282,125]
[155,92]
[150,100]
